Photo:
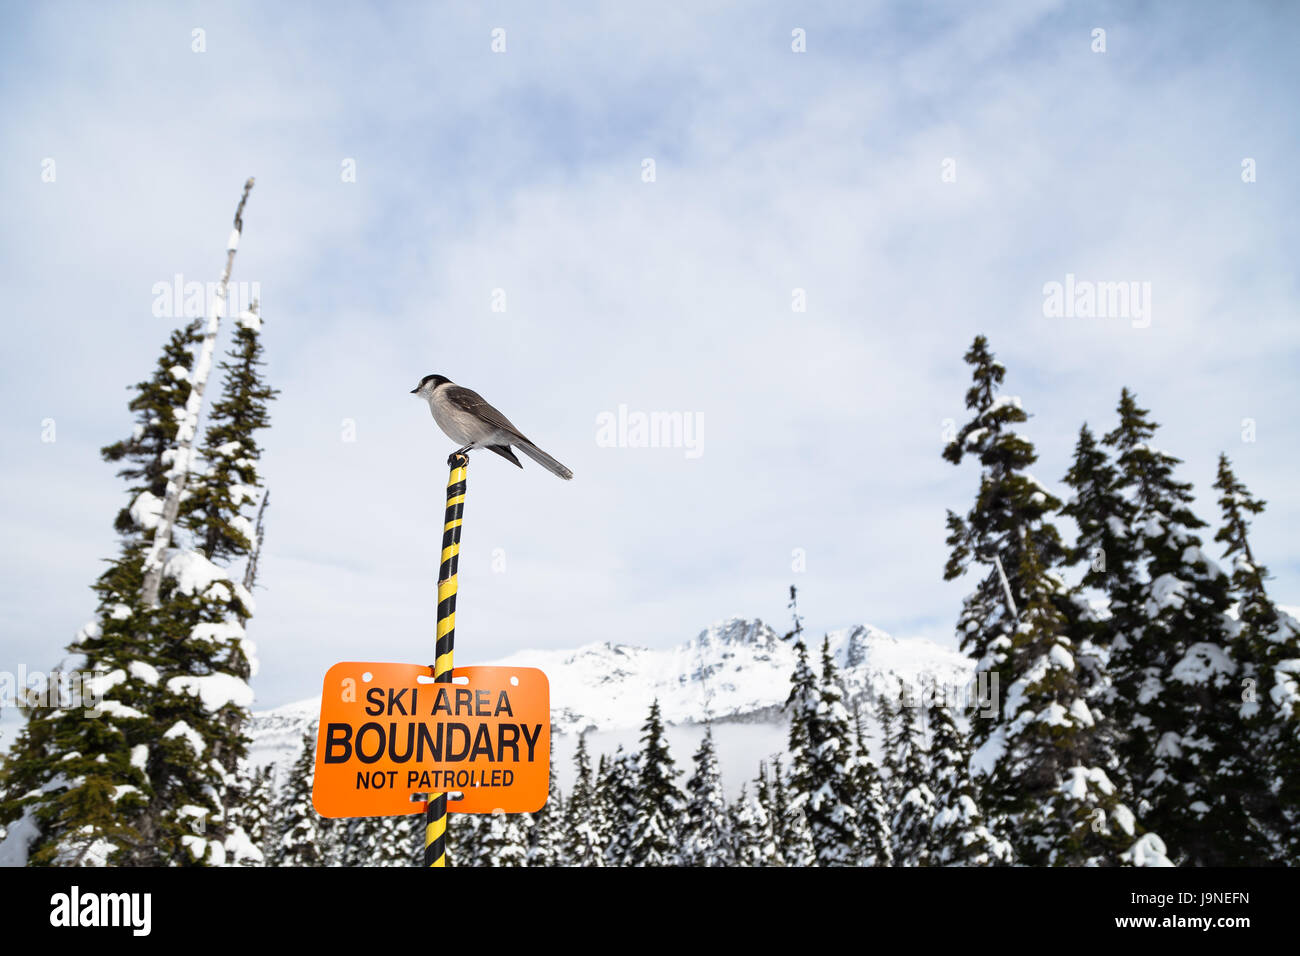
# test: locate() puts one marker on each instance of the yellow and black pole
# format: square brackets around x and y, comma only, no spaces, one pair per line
[435,811]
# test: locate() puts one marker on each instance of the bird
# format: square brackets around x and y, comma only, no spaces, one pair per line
[466,417]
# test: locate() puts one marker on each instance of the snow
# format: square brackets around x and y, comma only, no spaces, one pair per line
[1194,556]
[1004,400]
[145,672]
[193,573]
[1061,658]
[18,837]
[146,510]
[1166,591]
[119,710]
[240,847]
[245,527]
[182,729]
[179,372]
[1080,780]
[1149,850]
[986,758]
[214,690]
[123,790]
[219,632]
[1124,819]
[249,650]
[250,320]
[139,756]
[100,684]
[196,845]
[119,612]
[245,598]
[1203,663]
[241,493]
[1169,745]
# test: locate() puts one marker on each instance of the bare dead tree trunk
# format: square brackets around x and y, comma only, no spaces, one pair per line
[250,570]
[183,460]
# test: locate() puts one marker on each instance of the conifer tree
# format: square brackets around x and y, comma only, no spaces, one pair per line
[1175,668]
[585,828]
[1268,652]
[546,830]
[201,653]
[505,840]
[706,825]
[821,759]
[146,451]
[869,802]
[257,811]
[305,837]
[893,751]
[914,813]
[1038,756]
[465,847]
[659,801]
[618,795]
[774,805]
[79,773]
[795,846]
[753,842]
[960,836]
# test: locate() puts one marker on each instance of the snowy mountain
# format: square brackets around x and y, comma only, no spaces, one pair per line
[736,673]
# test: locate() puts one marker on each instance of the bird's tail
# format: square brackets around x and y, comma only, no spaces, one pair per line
[543,459]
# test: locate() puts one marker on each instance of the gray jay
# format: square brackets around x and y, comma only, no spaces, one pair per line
[466,418]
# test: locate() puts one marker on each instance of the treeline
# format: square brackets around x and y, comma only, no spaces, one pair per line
[1138,705]
[1145,702]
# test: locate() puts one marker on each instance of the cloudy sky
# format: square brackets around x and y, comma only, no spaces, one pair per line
[525,171]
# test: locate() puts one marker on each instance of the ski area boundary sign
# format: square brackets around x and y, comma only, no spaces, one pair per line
[388,732]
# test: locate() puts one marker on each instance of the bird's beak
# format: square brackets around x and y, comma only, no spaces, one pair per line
[416,390]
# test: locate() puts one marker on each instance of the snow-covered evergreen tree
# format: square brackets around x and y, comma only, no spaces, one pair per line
[821,758]
[585,828]
[1175,667]
[617,792]
[1267,649]
[79,777]
[546,826]
[959,836]
[789,823]
[706,825]
[1037,757]
[876,847]
[305,838]
[504,841]
[753,841]
[655,839]
[913,816]
[465,844]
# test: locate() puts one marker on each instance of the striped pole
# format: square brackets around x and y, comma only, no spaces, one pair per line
[435,811]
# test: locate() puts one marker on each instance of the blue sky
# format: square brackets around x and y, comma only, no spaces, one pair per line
[522,171]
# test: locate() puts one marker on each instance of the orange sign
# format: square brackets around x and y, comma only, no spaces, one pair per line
[388,732]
